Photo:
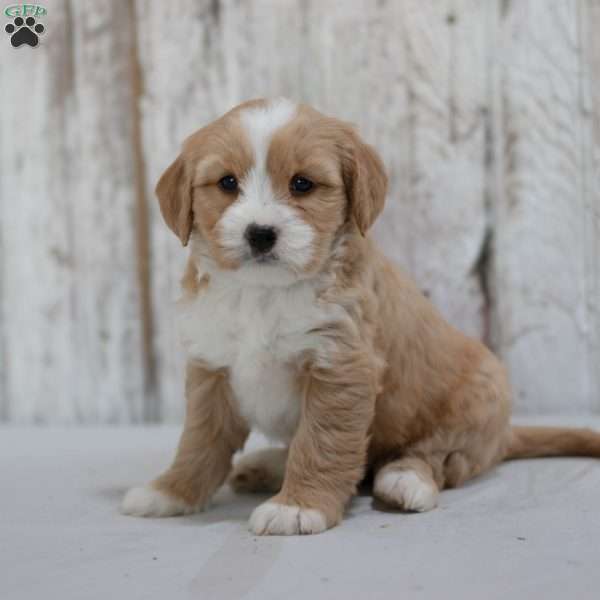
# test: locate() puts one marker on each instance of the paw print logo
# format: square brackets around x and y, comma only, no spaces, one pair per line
[24,32]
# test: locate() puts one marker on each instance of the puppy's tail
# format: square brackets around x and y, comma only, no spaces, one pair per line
[530,442]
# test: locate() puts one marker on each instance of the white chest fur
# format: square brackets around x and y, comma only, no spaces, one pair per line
[258,332]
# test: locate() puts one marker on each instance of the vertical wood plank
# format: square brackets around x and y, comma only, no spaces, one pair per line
[589,25]
[108,319]
[38,284]
[151,410]
[542,322]
[435,223]
[69,264]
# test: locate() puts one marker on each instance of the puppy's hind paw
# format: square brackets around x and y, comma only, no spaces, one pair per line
[260,471]
[147,501]
[406,489]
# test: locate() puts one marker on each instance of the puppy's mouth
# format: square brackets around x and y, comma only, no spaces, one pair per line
[264,259]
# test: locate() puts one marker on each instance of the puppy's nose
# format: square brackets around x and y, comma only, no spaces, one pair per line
[260,237]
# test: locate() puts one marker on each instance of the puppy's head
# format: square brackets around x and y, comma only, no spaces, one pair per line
[268,186]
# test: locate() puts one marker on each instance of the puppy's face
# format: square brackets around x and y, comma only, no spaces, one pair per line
[268,186]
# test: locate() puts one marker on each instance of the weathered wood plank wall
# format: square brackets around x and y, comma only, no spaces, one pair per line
[487,115]
[547,202]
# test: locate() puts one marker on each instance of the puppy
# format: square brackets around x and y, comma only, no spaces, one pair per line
[295,324]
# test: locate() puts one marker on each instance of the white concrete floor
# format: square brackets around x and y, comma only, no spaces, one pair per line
[530,529]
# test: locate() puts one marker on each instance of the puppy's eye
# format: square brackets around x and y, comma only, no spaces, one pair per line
[300,185]
[228,184]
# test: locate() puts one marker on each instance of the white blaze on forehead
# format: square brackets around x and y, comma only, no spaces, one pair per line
[257,202]
[262,122]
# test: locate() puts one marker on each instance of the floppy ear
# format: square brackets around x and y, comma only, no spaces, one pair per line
[366,183]
[174,193]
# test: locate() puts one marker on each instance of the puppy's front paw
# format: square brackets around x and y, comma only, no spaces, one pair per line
[273,518]
[147,501]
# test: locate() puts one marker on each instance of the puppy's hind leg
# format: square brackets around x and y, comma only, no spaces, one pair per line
[408,484]
[260,471]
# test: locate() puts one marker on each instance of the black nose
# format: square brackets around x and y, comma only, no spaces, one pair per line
[261,238]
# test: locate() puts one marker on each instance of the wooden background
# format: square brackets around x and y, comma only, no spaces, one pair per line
[487,113]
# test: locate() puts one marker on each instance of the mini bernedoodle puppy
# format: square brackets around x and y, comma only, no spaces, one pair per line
[295,324]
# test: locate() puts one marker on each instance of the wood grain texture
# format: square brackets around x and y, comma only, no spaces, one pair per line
[71,313]
[435,222]
[589,26]
[38,283]
[543,259]
[103,202]
[487,115]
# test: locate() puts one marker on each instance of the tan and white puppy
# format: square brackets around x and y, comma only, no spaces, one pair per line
[296,325]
